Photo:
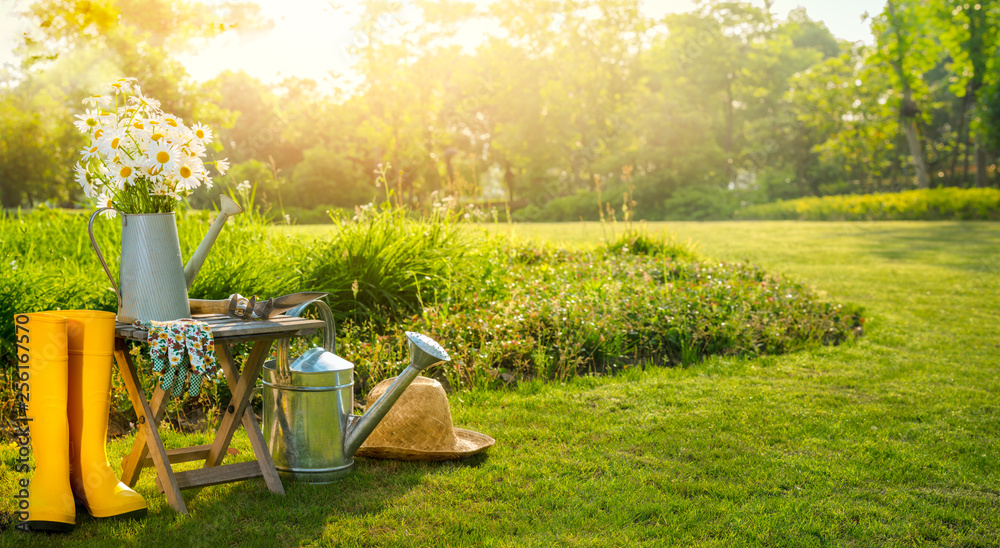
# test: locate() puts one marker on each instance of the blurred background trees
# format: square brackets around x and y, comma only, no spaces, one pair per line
[573,102]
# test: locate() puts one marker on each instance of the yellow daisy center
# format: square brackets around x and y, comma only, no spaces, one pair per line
[162,156]
[91,122]
[124,172]
[98,133]
[114,142]
[157,136]
[138,125]
[185,172]
[171,122]
[200,134]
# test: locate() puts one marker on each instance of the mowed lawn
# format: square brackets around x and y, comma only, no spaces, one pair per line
[888,441]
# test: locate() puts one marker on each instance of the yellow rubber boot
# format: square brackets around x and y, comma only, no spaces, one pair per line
[91,347]
[50,501]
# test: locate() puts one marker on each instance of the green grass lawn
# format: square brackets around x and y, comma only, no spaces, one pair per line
[888,441]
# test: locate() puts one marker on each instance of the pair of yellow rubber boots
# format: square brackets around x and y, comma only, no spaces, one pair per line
[69,367]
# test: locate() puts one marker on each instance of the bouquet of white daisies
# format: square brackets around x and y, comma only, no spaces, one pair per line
[140,159]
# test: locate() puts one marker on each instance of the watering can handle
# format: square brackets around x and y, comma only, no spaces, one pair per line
[330,332]
[93,243]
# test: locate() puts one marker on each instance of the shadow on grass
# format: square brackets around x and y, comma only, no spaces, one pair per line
[968,246]
[246,513]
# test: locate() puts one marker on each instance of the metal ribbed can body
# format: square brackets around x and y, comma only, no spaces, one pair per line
[305,421]
[151,275]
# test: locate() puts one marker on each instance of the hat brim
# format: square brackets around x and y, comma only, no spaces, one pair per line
[467,443]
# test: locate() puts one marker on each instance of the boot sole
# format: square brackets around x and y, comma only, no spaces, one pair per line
[46,526]
[133,515]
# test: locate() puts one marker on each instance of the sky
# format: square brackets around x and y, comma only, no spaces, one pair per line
[311,40]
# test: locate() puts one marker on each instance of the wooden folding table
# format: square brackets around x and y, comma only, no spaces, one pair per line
[226,331]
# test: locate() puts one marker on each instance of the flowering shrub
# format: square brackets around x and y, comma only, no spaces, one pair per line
[139,159]
[569,313]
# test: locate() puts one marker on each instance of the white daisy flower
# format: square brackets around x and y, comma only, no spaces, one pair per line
[111,142]
[202,133]
[163,156]
[124,173]
[105,201]
[222,166]
[140,126]
[189,172]
[83,179]
[194,148]
[102,101]
[244,186]
[90,151]
[88,121]
[173,122]
[161,188]
[122,85]
[138,99]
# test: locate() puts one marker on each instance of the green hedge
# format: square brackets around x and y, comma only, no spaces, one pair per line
[973,204]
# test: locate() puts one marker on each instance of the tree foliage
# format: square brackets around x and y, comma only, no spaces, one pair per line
[570,103]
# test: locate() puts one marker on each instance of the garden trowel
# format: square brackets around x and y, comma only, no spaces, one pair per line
[239,307]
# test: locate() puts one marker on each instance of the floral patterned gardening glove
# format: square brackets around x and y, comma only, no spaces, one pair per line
[181,350]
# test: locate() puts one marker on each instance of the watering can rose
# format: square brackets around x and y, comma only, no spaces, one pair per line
[140,159]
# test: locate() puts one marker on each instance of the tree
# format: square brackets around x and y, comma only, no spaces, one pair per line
[906,47]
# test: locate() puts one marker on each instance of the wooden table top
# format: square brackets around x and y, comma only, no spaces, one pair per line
[229,329]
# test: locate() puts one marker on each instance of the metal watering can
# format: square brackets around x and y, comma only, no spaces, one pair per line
[308,422]
[153,282]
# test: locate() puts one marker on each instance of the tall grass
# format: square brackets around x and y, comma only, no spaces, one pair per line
[382,265]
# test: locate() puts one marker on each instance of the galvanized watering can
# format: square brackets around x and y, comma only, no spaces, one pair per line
[308,422]
[153,283]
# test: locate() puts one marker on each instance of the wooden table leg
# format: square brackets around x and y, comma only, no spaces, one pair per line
[148,423]
[238,405]
[261,452]
[133,463]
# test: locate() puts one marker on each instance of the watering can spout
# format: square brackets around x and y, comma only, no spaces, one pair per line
[424,352]
[228,208]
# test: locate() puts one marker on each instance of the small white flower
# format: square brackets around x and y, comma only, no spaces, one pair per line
[105,201]
[163,156]
[138,100]
[87,122]
[160,188]
[91,151]
[173,121]
[83,179]
[194,148]
[111,141]
[222,166]
[202,133]
[124,173]
[102,101]
[122,85]
[244,186]
[189,171]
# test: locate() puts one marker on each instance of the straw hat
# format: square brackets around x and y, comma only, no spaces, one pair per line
[418,426]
